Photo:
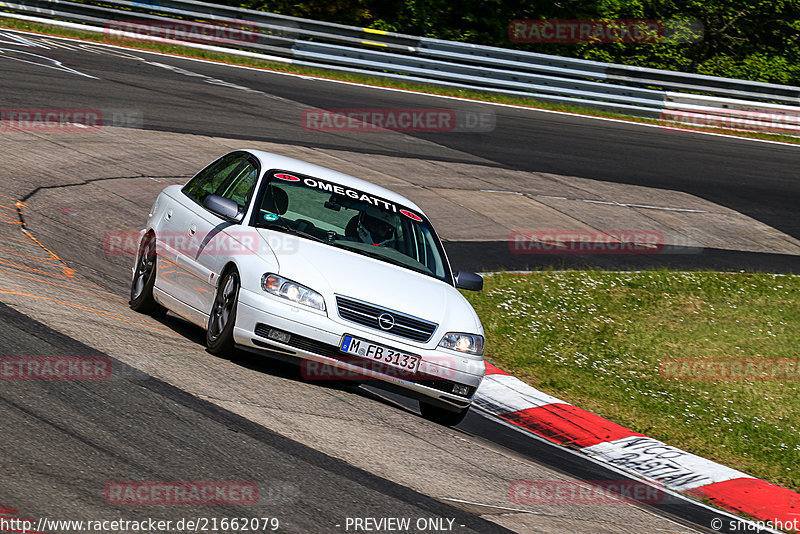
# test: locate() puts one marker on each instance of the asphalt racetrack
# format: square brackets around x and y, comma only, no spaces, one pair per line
[320,454]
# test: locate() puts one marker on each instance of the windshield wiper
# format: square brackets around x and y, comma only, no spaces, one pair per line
[379,256]
[288,230]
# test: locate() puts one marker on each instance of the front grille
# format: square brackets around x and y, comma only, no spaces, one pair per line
[303,343]
[312,345]
[332,351]
[368,315]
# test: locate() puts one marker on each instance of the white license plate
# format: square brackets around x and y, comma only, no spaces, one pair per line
[379,353]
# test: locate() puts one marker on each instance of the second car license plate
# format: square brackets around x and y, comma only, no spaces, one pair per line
[379,353]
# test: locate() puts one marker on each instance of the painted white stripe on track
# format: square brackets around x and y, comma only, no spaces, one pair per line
[744,524]
[673,467]
[504,393]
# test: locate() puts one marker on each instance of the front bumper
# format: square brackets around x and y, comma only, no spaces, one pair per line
[315,337]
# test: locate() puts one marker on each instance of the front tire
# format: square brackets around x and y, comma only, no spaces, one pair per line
[144,278]
[219,334]
[440,415]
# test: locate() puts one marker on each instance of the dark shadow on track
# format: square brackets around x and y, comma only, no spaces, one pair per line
[497,255]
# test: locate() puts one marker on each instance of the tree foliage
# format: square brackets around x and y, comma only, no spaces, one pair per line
[749,39]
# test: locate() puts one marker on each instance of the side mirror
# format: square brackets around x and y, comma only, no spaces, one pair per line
[469,281]
[223,207]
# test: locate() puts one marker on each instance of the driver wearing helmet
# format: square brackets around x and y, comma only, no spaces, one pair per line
[376,227]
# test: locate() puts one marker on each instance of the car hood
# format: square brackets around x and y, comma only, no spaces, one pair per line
[334,271]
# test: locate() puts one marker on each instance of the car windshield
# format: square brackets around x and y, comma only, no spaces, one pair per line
[350,219]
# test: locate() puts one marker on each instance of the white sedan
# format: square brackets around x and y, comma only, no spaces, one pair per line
[286,258]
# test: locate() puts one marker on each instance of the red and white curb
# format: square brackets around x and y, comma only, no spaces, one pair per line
[514,401]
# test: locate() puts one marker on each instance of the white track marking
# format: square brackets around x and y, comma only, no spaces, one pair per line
[11,39]
[31,59]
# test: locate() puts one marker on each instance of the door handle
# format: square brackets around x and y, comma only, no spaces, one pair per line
[192,229]
[168,216]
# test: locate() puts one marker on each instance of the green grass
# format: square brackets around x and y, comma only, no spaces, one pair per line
[184,51]
[596,339]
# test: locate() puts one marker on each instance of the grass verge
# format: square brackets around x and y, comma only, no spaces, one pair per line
[184,51]
[597,339]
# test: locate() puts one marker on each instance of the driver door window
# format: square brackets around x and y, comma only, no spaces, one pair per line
[239,187]
[209,180]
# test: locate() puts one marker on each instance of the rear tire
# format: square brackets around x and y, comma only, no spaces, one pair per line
[144,278]
[219,334]
[440,415]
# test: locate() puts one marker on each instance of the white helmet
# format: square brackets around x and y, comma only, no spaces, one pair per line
[376,226]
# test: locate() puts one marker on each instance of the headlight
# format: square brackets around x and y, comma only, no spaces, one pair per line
[469,343]
[281,287]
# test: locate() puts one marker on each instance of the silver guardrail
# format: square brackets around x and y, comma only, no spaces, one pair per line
[675,97]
